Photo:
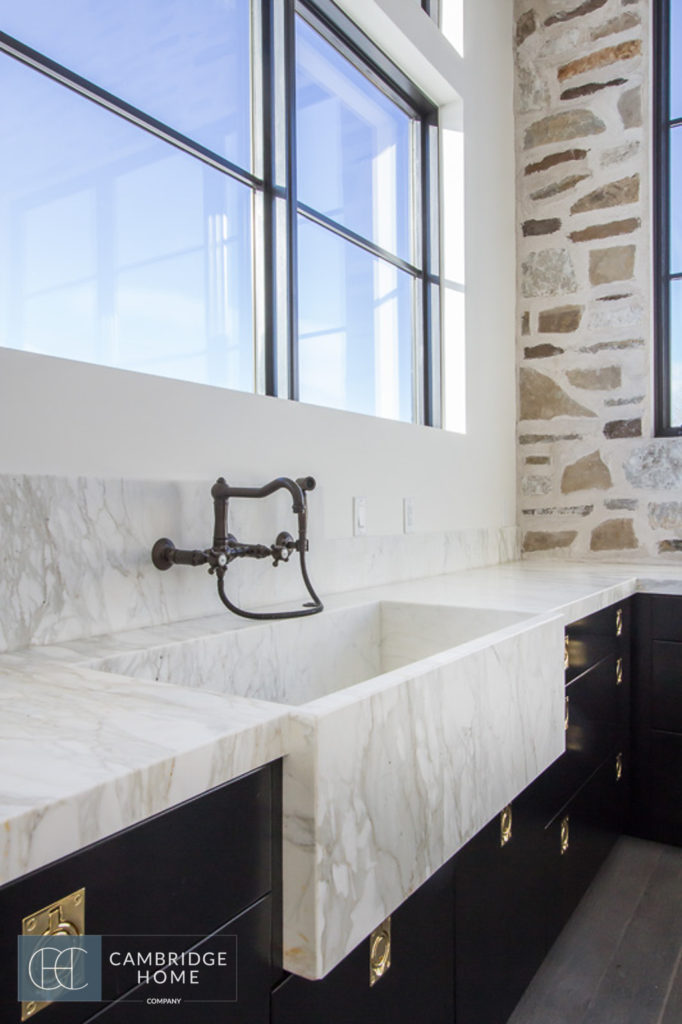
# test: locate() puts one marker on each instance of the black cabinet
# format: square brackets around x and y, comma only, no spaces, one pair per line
[418,985]
[657,719]
[521,877]
[501,891]
[183,873]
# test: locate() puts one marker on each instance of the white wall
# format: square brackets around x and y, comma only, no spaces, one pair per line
[65,418]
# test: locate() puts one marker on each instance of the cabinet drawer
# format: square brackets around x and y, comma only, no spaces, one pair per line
[665,788]
[581,836]
[220,995]
[183,872]
[591,639]
[500,904]
[666,616]
[418,985]
[666,686]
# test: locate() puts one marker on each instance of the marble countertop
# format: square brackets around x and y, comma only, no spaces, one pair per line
[86,753]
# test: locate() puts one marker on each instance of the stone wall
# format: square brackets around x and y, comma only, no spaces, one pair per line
[593,481]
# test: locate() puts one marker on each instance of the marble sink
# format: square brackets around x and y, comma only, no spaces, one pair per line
[410,726]
[296,661]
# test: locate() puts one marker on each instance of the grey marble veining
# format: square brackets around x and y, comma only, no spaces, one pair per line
[76,556]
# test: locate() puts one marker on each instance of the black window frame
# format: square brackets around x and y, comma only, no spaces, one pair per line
[663,125]
[275,54]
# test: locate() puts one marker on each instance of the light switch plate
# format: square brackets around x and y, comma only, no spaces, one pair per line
[359,517]
[408,515]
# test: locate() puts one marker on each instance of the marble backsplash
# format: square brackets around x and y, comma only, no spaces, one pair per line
[75,556]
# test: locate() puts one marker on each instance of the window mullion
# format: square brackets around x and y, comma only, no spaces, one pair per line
[289,39]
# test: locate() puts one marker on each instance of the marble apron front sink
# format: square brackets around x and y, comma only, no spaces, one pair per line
[411,725]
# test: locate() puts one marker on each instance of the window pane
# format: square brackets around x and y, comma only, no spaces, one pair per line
[675,58]
[676,353]
[353,146]
[676,200]
[116,247]
[355,327]
[185,64]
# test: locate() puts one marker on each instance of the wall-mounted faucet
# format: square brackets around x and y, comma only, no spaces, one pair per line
[226,548]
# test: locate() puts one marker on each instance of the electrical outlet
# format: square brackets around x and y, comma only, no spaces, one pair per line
[408,515]
[359,517]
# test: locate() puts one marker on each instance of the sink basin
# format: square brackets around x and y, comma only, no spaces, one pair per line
[296,661]
[410,726]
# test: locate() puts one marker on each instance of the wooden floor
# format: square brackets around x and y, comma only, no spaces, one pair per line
[619,959]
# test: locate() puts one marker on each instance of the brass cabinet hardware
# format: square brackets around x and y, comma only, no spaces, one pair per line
[505,825]
[63,917]
[619,767]
[619,671]
[566,656]
[619,622]
[567,713]
[564,834]
[379,951]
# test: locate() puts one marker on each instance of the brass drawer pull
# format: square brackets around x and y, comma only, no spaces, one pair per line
[379,951]
[63,917]
[567,713]
[564,835]
[505,825]
[619,767]
[619,622]
[619,671]
[566,657]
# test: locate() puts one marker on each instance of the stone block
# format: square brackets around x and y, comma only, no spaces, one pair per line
[616,193]
[531,228]
[535,484]
[614,227]
[525,26]
[548,540]
[542,351]
[630,108]
[537,460]
[587,7]
[618,154]
[655,466]
[588,473]
[576,91]
[621,23]
[562,320]
[668,547]
[614,264]
[565,510]
[621,504]
[623,428]
[554,159]
[555,188]
[614,535]
[570,124]
[547,272]
[665,515]
[607,346]
[635,400]
[547,438]
[602,58]
[543,399]
[533,91]
[606,378]
[617,318]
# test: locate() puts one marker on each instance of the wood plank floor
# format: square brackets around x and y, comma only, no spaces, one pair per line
[619,959]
